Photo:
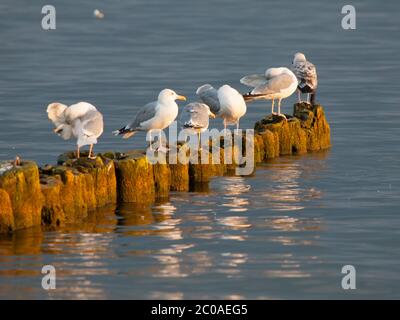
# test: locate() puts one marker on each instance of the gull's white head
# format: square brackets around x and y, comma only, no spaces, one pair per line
[299,57]
[167,95]
[55,112]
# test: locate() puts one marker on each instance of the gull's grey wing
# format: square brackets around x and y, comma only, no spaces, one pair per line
[254,80]
[275,85]
[209,95]
[195,115]
[307,74]
[92,123]
[145,113]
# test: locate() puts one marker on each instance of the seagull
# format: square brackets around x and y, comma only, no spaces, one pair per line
[98,14]
[306,73]
[226,103]
[195,118]
[156,115]
[276,83]
[81,120]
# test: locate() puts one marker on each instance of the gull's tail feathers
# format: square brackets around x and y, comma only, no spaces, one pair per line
[125,132]
[248,97]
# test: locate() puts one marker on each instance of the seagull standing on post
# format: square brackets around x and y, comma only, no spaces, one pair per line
[195,118]
[226,103]
[156,115]
[276,83]
[306,73]
[81,120]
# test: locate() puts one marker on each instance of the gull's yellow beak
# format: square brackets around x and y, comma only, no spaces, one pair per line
[178,97]
[212,115]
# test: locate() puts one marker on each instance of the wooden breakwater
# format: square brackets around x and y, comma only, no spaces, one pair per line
[67,192]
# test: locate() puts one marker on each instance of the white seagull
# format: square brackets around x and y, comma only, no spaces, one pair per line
[156,115]
[81,120]
[226,103]
[195,118]
[276,83]
[306,73]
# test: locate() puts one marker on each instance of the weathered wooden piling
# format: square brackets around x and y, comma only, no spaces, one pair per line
[306,131]
[76,187]
[135,178]
[69,191]
[23,188]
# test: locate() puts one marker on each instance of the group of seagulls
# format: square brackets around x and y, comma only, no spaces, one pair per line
[85,123]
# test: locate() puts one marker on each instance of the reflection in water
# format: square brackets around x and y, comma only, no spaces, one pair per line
[77,253]
[141,220]
[234,190]
[158,295]
[231,262]
[230,230]
[21,242]
[286,190]
[286,223]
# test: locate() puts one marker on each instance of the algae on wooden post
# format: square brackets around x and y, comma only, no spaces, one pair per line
[23,187]
[219,168]
[76,187]
[259,153]
[179,166]
[135,179]
[162,179]
[201,168]
[6,213]
[308,130]
[52,211]
[281,136]
[316,127]
[105,182]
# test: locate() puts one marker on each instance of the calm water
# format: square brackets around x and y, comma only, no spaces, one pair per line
[285,232]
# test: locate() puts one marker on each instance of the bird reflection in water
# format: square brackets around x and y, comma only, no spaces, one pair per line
[287,188]
[235,199]
[290,189]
